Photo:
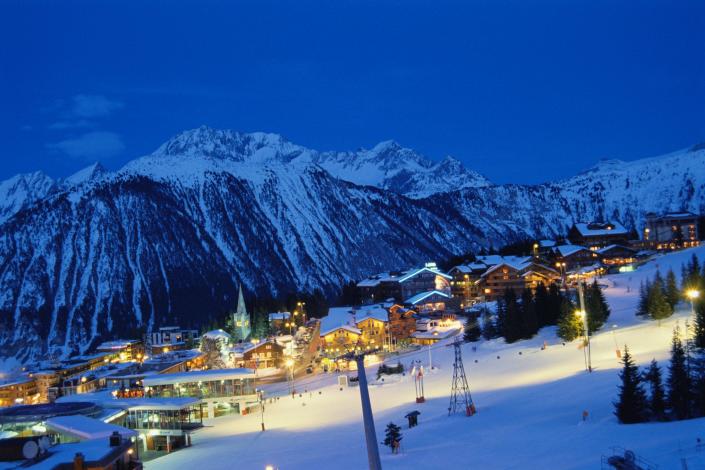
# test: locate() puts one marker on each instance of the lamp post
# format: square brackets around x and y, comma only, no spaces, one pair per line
[692,295]
[584,315]
[290,366]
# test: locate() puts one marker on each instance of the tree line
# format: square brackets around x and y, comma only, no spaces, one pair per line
[643,395]
[521,317]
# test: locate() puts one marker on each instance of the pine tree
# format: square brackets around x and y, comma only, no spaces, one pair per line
[392,436]
[500,323]
[529,318]
[672,293]
[699,325]
[513,322]
[642,308]
[631,406]
[489,331]
[657,399]
[678,379]
[596,306]
[657,304]
[472,330]
[570,326]
[542,306]
[555,301]
[698,382]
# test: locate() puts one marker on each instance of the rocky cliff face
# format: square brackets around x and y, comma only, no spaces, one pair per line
[168,238]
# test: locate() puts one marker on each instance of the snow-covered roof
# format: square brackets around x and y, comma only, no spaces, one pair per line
[217,334]
[414,272]
[199,376]
[469,268]
[435,333]
[547,243]
[599,228]
[345,327]
[376,312]
[401,276]
[567,250]
[612,247]
[84,428]
[424,295]
[279,316]
[116,344]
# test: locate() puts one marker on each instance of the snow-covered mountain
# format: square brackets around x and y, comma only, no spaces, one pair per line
[168,238]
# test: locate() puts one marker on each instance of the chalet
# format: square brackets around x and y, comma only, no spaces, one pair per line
[571,257]
[595,235]
[464,285]
[263,355]
[127,350]
[401,285]
[517,277]
[341,340]
[402,323]
[430,301]
[671,230]
[617,255]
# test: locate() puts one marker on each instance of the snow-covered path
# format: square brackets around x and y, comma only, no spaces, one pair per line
[529,408]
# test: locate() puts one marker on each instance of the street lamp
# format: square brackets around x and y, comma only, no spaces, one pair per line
[290,364]
[586,342]
[692,295]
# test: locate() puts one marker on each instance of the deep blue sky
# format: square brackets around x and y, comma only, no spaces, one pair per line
[520,91]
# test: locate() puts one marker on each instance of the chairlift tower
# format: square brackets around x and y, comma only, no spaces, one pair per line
[460,398]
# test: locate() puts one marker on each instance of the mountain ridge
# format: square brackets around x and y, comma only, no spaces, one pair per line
[169,236]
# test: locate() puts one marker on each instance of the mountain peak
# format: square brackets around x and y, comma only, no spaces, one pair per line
[226,144]
[90,173]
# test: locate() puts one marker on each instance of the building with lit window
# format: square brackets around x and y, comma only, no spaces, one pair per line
[595,235]
[219,390]
[401,285]
[672,230]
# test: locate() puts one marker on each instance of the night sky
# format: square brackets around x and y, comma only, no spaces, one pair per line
[520,91]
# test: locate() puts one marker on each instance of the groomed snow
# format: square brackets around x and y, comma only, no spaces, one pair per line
[529,405]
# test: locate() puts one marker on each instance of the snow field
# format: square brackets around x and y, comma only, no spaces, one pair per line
[529,407]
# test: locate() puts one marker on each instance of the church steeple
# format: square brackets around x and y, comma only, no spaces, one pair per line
[241,319]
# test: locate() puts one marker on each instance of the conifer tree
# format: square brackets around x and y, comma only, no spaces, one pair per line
[631,405]
[678,379]
[555,301]
[657,304]
[672,293]
[642,308]
[392,436]
[596,306]
[699,324]
[570,326]
[513,322]
[698,381]
[529,323]
[500,323]
[542,306]
[657,398]
[489,331]
[472,330]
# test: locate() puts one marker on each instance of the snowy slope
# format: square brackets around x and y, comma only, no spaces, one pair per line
[22,190]
[529,405]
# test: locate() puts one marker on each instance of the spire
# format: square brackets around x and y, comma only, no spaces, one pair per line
[241,308]
[241,319]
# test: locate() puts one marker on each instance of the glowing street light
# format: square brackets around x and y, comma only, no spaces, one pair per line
[692,295]
[290,365]
[582,314]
